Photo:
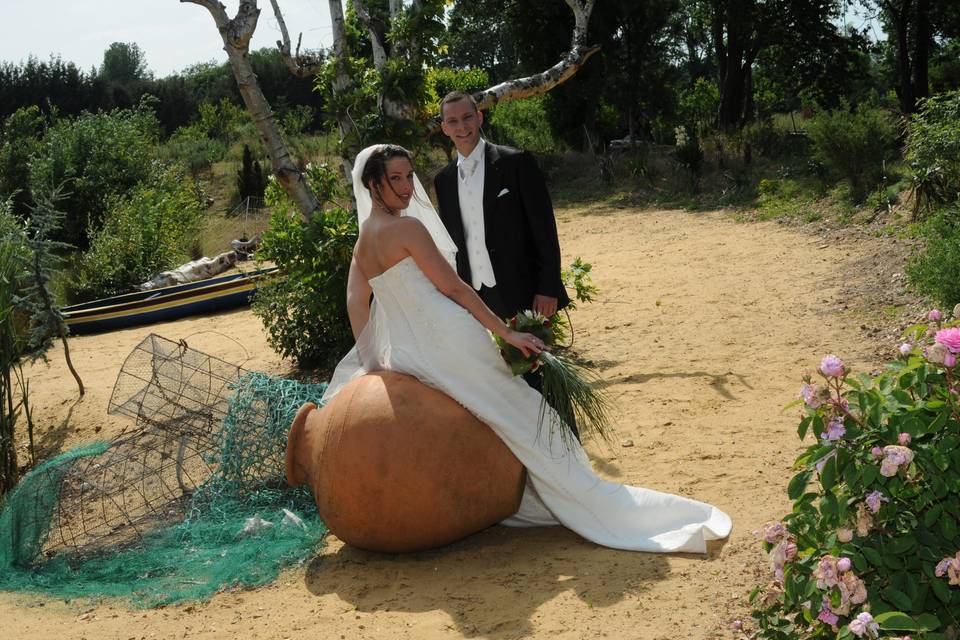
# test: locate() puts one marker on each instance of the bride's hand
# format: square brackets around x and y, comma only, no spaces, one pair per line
[528,343]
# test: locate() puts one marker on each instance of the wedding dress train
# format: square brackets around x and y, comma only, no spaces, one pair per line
[416,330]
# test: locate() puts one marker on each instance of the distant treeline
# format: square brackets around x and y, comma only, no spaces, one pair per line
[122,81]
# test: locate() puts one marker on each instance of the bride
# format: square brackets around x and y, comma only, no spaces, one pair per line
[426,322]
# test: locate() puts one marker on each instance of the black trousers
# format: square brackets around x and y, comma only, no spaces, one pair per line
[491,297]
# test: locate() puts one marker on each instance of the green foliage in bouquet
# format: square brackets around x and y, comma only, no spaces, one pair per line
[527,322]
[568,388]
[871,548]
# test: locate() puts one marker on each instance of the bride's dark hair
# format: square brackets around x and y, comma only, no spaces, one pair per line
[376,167]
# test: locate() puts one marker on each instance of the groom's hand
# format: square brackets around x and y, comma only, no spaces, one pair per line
[544,305]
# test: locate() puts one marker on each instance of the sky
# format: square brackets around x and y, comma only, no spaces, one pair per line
[173,35]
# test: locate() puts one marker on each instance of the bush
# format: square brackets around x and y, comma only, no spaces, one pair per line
[933,152]
[18,143]
[96,156]
[935,270]
[191,147]
[699,105]
[871,543]
[149,230]
[250,179]
[523,124]
[304,308]
[689,154]
[854,146]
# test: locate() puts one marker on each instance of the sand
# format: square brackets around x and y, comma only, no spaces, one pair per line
[703,328]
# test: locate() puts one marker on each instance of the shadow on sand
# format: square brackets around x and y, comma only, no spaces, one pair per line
[492,583]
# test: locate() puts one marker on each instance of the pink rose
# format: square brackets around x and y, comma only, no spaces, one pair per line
[950,338]
[906,349]
[773,531]
[826,615]
[904,439]
[827,573]
[864,625]
[832,366]
[843,564]
[844,534]
[935,315]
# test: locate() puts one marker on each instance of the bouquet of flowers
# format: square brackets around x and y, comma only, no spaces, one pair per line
[568,388]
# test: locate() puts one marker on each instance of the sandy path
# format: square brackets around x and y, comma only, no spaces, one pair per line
[703,327]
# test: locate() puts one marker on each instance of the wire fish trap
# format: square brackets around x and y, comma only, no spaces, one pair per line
[206,455]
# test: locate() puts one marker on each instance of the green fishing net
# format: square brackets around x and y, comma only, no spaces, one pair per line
[191,501]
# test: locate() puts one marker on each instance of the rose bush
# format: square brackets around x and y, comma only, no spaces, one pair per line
[871,548]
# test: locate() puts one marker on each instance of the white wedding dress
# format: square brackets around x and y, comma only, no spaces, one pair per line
[417,330]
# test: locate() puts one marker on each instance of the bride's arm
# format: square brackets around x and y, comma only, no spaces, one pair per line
[418,242]
[358,298]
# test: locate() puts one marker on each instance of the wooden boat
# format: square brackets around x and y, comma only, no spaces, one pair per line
[165,303]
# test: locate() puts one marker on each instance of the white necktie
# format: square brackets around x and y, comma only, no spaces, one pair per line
[467,168]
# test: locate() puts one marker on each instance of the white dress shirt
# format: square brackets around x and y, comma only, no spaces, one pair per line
[470,173]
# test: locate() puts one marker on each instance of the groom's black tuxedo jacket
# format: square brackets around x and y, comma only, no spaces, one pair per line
[520,230]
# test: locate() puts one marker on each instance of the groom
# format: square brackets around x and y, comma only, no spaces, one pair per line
[494,202]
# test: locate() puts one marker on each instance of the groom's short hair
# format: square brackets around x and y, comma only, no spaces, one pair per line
[457,96]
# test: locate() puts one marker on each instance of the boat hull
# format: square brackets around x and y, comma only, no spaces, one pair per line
[164,304]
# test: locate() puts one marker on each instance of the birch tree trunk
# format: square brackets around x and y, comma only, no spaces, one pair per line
[236,34]
[559,73]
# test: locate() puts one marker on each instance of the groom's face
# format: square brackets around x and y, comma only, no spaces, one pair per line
[461,123]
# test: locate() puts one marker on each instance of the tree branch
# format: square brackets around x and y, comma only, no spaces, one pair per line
[377,30]
[236,34]
[557,74]
[300,66]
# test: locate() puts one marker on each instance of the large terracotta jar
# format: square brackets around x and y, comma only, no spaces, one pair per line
[396,465]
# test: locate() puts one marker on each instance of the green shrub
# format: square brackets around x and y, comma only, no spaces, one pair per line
[935,270]
[854,146]
[871,546]
[304,308]
[191,147]
[442,80]
[933,152]
[95,156]
[699,105]
[149,230]
[523,124]
[689,154]
[222,121]
[251,181]
[19,141]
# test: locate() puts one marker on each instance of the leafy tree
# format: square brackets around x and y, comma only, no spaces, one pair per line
[916,30]
[95,156]
[19,141]
[742,29]
[478,37]
[124,63]
[38,263]
[933,153]
[11,349]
